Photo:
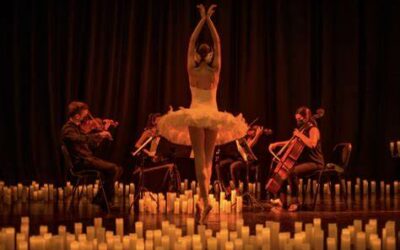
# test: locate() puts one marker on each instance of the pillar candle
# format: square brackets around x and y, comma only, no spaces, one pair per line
[238,244]
[157,238]
[298,226]
[139,229]
[382,185]
[165,242]
[387,189]
[90,233]
[212,244]
[229,245]
[376,244]
[77,229]
[190,226]
[318,239]
[333,231]
[360,241]
[245,234]
[119,224]
[184,207]
[331,243]
[373,187]
[345,240]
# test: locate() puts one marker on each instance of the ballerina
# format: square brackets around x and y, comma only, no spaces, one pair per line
[202,125]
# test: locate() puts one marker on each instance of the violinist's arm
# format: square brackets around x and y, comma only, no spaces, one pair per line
[145,135]
[73,135]
[254,140]
[311,141]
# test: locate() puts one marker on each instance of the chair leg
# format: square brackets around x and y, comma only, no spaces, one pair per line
[317,190]
[73,192]
[101,186]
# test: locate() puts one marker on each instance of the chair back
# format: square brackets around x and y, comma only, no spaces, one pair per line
[341,154]
[67,159]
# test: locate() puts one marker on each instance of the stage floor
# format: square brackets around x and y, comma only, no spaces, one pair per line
[330,211]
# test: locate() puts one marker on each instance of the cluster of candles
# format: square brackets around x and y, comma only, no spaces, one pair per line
[186,196]
[267,236]
[185,203]
[394,149]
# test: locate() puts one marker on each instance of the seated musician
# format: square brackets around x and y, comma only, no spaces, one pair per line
[311,158]
[236,156]
[80,141]
[150,132]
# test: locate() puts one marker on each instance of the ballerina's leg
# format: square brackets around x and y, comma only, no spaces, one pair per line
[197,137]
[209,146]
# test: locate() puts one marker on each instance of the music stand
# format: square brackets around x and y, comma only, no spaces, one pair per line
[164,150]
[247,195]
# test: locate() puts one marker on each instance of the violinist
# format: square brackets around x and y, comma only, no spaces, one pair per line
[236,155]
[150,132]
[80,140]
[310,159]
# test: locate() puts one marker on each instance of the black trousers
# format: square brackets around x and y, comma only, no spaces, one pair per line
[111,172]
[300,170]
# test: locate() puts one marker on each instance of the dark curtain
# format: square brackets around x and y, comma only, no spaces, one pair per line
[128,58]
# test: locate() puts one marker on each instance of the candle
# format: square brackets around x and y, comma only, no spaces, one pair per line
[345,240]
[398,148]
[387,189]
[139,229]
[392,148]
[318,239]
[119,223]
[376,244]
[212,243]
[77,229]
[331,243]
[373,187]
[332,231]
[157,238]
[239,244]
[190,226]
[360,241]
[382,185]
[245,234]
[298,226]
[165,242]
[90,233]
[229,245]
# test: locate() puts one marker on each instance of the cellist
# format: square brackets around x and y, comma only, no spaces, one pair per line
[310,160]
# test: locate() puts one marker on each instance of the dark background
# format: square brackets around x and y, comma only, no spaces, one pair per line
[128,58]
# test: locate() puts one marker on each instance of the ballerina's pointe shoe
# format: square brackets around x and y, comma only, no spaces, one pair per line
[204,215]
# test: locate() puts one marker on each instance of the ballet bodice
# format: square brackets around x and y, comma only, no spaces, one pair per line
[204,98]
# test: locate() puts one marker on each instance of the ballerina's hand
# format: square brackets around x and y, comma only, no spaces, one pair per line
[211,10]
[202,10]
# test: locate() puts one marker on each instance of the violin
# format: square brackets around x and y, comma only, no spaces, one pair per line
[291,153]
[96,125]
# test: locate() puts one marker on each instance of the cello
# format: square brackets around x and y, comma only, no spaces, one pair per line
[287,156]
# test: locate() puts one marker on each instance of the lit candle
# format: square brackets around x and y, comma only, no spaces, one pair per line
[239,244]
[212,243]
[190,206]
[119,223]
[382,185]
[331,243]
[90,233]
[184,207]
[176,207]
[345,240]
[165,242]
[298,226]
[387,189]
[373,187]
[139,229]
[332,231]
[318,239]
[190,226]
[245,234]
[392,148]
[360,241]
[77,229]
[398,147]
[365,187]
[157,238]
[229,245]
[376,244]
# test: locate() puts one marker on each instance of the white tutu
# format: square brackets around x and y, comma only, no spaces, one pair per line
[203,113]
